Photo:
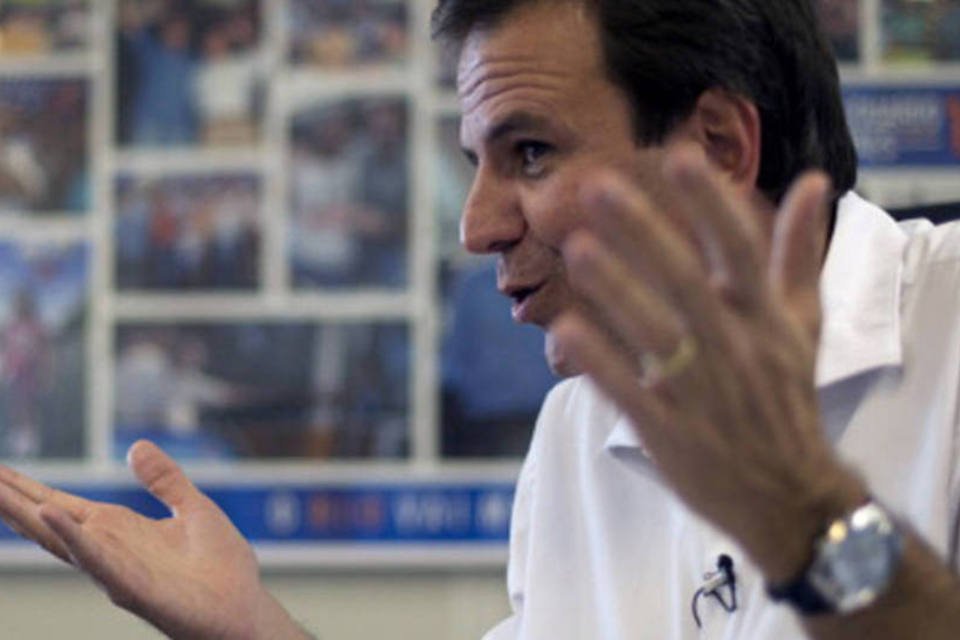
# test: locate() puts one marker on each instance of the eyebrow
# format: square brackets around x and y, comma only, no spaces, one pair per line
[514,121]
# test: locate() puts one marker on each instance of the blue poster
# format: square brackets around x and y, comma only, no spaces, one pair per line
[895,126]
[367,514]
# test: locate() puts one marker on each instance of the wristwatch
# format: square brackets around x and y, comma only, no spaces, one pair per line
[854,561]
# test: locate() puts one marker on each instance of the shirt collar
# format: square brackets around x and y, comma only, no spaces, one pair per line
[860,290]
[860,293]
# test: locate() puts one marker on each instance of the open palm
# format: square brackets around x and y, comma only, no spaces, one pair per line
[191,575]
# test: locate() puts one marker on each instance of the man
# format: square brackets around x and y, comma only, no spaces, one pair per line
[663,230]
[672,133]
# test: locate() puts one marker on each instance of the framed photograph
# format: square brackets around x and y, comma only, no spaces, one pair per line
[920,32]
[840,20]
[188,232]
[189,73]
[487,409]
[44,155]
[348,190]
[332,34]
[263,390]
[43,318]
[44,27]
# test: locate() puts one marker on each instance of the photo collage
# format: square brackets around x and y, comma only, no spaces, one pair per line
[211,240]
[231,226]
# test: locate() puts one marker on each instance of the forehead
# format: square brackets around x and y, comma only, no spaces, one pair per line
[536,42]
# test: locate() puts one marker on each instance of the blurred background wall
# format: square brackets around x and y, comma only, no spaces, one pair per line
[433,605]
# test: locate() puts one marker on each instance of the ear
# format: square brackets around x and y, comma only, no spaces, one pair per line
[728,127]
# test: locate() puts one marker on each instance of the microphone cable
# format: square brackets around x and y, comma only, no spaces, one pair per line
[715,581]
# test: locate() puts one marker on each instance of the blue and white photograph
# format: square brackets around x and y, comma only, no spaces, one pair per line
[920,32]
[189,73]
[44,156]
[339,35]
[348,181]
[264,390]
[188,232]
[43,318]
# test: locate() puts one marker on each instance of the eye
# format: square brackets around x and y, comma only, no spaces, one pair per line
[532,154]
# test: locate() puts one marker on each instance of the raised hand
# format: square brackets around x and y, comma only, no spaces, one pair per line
[704,331]
[191,575]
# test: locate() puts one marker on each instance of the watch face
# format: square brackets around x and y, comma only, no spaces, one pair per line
[856,559]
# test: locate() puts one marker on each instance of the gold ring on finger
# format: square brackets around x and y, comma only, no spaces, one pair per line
[655,370]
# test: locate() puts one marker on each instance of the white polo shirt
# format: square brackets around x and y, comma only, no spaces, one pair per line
[600,549]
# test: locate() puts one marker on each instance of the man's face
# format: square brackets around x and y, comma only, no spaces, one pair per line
[538,114]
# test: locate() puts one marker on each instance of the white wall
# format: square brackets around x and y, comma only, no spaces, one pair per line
[50,605]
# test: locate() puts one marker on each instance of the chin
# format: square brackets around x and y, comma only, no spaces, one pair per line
[556,360]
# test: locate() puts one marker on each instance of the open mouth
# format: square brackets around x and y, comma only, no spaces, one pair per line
[523,298]
[521,294]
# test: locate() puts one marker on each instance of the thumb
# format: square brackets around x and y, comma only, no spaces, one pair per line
[797,253]
[161,476]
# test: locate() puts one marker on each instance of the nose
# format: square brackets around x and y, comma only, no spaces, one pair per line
[492,219]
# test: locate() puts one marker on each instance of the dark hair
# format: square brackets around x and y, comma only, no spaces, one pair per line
[665,53]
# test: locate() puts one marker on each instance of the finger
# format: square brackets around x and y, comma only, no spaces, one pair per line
[654,247]
[38,493]
[85,551]
[726,225]
[161,476]
[634,310]
[21,514]
[799,240]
